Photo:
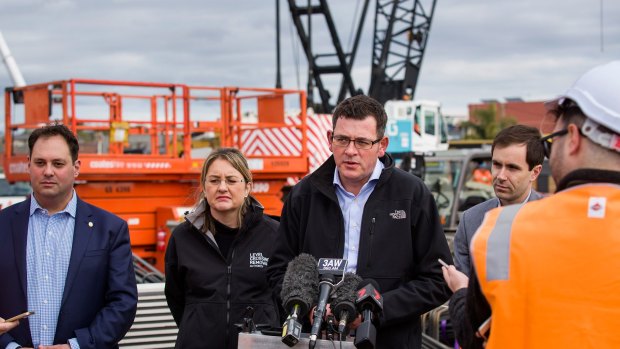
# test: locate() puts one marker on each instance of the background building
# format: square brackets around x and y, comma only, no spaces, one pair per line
[531,113]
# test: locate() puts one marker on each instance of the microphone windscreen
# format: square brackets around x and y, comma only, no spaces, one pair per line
[345,295]
[300,284]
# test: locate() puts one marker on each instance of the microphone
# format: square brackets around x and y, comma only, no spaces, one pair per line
[370,303]
[299,290]
[328,269]
[343,304]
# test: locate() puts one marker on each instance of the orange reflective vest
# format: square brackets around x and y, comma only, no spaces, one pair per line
[550,270]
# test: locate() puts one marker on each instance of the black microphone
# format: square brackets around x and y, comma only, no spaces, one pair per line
[328,269]
[369,302]
[343,304]
[299,291]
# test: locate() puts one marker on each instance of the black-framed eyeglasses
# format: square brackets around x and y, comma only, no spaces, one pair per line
[547,141]
[360,143]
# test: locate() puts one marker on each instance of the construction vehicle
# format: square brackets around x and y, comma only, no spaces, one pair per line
[415,125]
[142,145]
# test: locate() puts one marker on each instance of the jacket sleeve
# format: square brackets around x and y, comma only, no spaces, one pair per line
[174,291]
[114,320]
[460,322]
[468,310]
[461,246]
[286,247]
[426,288]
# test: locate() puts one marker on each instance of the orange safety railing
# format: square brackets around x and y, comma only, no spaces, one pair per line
[155,131]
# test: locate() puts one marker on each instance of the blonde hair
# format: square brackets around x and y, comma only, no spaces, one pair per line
[240,163]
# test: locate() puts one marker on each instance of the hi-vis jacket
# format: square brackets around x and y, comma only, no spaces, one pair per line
[550,270]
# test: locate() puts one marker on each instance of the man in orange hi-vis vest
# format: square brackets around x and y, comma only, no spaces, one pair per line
[549,268]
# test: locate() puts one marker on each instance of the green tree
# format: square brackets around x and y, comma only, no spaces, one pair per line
[485,123]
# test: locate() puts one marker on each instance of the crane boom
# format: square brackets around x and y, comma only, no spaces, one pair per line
[11,65]
[400,37]
[401,29]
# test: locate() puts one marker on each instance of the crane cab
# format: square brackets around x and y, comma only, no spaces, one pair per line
[415,126]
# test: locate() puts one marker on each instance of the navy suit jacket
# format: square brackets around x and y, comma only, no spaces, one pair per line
[100,296]
[469,224]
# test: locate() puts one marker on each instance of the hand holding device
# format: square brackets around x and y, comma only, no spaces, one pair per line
[20,316]
[442,262]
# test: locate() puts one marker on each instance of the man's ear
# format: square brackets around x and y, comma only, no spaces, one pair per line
[330,133]
[575,140]
[77,165]
[535,172]
[383,144]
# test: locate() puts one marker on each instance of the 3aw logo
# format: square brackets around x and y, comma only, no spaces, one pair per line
[398,214]
[257,260]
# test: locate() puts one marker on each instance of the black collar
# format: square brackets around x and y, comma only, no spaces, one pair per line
[588,175]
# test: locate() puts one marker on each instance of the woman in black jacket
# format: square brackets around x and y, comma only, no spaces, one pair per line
[216,259]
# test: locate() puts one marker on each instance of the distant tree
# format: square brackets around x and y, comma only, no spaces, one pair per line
[485,123]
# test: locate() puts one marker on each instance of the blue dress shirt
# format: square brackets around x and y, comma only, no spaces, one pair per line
[352,208]
[48,251]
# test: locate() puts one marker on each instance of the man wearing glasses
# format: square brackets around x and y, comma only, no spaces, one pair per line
[549,268]
[358,206]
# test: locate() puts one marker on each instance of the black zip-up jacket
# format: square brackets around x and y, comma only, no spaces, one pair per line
[401,238]
[207,292]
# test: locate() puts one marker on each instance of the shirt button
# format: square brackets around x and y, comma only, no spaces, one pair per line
[45,301]
[46,277]
[48,253]
[45,327]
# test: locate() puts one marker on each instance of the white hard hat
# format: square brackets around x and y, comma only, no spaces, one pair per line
[597,93]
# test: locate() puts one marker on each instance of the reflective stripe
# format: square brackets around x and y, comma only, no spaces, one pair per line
[498,245]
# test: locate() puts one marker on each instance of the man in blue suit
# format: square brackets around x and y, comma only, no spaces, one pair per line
[517,157]
[66,260]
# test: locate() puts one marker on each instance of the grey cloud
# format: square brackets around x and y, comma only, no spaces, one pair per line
[476,49]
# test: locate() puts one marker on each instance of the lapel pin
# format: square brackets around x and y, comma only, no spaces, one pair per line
[90,224]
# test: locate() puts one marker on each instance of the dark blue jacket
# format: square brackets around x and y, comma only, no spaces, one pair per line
[100,296]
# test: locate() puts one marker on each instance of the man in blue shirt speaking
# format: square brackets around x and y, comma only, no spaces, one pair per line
[358,206]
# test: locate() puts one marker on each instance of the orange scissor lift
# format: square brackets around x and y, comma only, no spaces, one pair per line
[142,145]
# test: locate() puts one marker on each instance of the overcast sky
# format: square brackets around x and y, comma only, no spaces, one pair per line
[477,49]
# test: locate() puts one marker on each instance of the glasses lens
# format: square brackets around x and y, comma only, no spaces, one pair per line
[232,180]
[363,144]
[341,141]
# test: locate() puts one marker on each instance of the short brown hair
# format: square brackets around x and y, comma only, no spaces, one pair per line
[55,130]
[359,107]
[522,134]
